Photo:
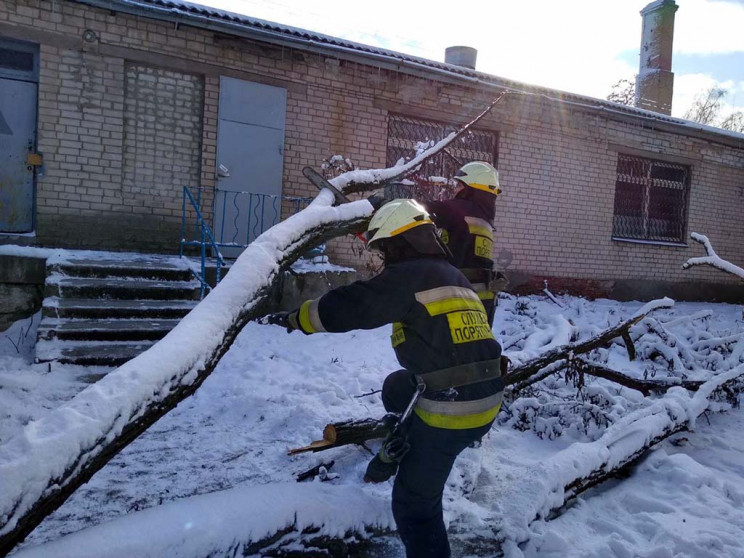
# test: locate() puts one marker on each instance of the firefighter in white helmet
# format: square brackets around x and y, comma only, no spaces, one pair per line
[450,359]
[466,222]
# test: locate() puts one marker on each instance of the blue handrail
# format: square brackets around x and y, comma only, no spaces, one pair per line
[250,215]
[202,231]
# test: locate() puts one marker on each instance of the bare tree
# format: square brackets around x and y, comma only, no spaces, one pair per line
[734,122]
[623,92]
[707,106]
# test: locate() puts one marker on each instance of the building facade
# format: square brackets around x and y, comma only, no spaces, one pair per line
[118,105]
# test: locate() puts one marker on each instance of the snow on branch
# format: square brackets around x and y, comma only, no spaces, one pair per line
[712,258]
[372,179]
[547,485]
[52,456]
[240,521]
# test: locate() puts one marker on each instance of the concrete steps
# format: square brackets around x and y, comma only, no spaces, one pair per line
[106,311]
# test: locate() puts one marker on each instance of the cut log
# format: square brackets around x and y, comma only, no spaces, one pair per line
[18,517]
[557,480]
[346,432]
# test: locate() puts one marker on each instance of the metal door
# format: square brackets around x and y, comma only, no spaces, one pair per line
[17,136]
[250,160]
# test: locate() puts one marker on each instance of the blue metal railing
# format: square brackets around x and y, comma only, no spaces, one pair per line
[243,216]
[203,232]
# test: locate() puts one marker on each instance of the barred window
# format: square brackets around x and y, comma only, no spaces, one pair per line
[405,135]
[650,200]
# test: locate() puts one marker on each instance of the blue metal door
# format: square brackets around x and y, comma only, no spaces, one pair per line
[17,140]
[250,160]
[19,75]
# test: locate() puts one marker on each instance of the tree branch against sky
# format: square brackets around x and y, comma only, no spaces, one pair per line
[581,46]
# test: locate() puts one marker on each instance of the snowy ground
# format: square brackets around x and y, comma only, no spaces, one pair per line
[274,391]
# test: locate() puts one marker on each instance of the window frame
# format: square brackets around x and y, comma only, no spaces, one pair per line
[649,183]
[24,47]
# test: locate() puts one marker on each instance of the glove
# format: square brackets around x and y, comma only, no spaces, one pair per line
[380,471]
[377,201]
[394,448]
[385,464]
[287,320]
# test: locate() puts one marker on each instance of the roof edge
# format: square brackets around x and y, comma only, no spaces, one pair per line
[213,19]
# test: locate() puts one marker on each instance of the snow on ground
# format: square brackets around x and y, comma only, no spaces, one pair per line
[273,391]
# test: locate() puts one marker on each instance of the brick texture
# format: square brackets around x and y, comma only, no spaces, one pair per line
[127,120]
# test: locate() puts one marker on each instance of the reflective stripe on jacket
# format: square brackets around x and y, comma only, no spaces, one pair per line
[438,322]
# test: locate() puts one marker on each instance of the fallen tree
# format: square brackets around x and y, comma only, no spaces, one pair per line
[511,508]
[42,466]
[554,482]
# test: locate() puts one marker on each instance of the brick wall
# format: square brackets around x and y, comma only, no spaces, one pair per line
[557,161]
[162,142]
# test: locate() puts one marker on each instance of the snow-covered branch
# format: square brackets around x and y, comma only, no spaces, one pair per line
[52,456]
[712,258]
[372,179]
[549,484]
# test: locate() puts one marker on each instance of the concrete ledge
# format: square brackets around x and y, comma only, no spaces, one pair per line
[297,288]
[25,270]
[21,287]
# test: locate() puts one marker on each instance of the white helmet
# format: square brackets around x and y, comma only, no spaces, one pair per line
[481,176]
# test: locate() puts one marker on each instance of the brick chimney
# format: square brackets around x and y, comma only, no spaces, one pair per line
[655,81]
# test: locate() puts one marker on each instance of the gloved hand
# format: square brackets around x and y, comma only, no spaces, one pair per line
[284,319]
[385,464]
[394,448]
[377,201]
[380,471]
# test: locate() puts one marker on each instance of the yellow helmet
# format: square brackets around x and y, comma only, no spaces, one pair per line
[481,176]
[395,218]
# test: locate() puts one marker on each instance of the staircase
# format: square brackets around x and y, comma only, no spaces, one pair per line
[106,311]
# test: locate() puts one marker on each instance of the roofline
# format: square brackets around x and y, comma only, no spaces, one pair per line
[247,27]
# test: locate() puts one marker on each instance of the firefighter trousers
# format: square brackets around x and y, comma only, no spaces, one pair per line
[419,484]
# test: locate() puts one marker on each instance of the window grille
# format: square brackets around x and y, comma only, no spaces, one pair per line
[404,136]
[650,200]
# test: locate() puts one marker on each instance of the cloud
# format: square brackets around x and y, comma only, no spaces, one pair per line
[705,27]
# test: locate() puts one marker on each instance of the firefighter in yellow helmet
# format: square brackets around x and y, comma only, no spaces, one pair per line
[451,376]
[466,222]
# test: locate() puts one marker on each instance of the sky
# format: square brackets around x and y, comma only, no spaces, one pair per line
[580,46]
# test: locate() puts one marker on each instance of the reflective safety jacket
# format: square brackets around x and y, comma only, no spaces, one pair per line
[438,323]
[466,227]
